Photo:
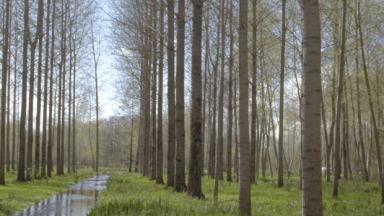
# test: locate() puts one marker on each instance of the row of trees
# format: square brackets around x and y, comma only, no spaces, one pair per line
[231,82]
[44,50]
[288,103]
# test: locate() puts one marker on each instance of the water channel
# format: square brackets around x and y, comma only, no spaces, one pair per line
[77,201]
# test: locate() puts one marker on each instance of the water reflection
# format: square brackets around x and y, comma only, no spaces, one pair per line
[77,201]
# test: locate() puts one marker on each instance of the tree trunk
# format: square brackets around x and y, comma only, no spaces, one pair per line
[171,96]
[230,95]
[337,166]
[311,153]
[254,92]
[39,80]
[280,174]
[371,108]
[194,181]
[244,180]
[220,132]
[154,90]
[51,100]
[4,84]
[358,101]
[180,131]
[43,173]
[159,147]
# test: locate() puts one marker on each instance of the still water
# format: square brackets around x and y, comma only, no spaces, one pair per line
[77,201]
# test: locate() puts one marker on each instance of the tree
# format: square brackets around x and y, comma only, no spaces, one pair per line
[34,43]
[23,111]
[254,92]
[159,148]
[244,177]
[337,167]
[51,100]
[311,153]
[194,175]
[4,66]
[220,135]
[39,91]
[96,58]
[45,103]
[180,131]
[280,181]
[171,96]
[370,102]
[154,89]
[230,95]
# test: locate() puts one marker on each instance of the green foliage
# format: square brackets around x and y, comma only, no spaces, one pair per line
[16,196]
[132,194]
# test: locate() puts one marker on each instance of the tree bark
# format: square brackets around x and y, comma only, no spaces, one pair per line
[371,108]
[51,100]
[4,84]
[280,173]
[43,173]
[311,153]
[180,131]
[220,132]
[194,177]
[254,92]
[171,96]
[337,165]
[159,147]
[230,95]
[244,180]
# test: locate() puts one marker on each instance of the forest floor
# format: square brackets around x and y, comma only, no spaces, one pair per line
[132,194]
[15,196]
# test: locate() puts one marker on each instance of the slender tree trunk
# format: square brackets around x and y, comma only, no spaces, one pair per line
[171,95]
[254,91]
[194,177]
[358,101]
[74,110]
[220,132]
[23,111]
[51,100]
[39,92]
[96,61]
[244,180]
[4,84]
[311,153]
[337,166]
[159,147]
[280,181]
[154,89]
[15,92]
[230,95]
[180,129]
[131,144]
[235,113]
[43,173]
[214,108]
[371,108]
[69,134]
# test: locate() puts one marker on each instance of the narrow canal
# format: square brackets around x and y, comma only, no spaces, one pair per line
[77,201]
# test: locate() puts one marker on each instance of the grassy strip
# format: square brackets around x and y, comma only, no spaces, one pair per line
[16,196]
[132,194]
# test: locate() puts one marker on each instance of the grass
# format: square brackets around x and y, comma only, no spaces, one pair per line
[132,194]
[16,196]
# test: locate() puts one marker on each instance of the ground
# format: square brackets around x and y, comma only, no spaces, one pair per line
[132,194]
[16,196]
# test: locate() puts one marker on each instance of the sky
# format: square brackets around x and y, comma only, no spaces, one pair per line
[109,99]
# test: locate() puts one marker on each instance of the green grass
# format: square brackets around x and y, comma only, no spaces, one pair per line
[16,196]
[132,194]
